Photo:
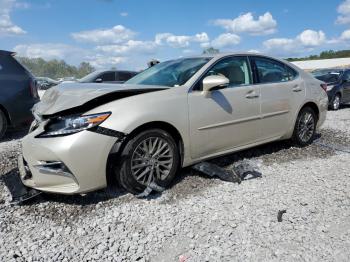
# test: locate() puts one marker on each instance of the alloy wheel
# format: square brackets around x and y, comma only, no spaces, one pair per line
[336,102]
[306,127]
[152,159]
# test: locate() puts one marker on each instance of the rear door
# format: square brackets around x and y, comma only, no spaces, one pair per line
[282,92]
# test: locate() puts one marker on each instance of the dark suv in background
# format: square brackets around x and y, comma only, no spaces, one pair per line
[18,93]
[338,85]
[108,76]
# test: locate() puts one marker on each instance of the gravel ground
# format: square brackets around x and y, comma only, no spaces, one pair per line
[198,219]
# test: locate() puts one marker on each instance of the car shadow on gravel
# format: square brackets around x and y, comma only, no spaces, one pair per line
[14,135]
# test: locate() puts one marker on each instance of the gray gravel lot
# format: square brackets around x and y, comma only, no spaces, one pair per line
[198,219]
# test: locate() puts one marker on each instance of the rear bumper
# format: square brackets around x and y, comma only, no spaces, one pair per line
[67,165]
[323,109]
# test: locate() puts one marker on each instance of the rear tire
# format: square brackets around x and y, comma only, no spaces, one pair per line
[152,155]
[335,105]
[305,127]
[3,124]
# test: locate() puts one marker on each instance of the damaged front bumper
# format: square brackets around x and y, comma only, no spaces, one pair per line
[69,164]
[19,192]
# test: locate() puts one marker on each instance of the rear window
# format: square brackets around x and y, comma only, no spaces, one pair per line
[272,71]
[108,77]
[9,65]
[124,76]
[329,77]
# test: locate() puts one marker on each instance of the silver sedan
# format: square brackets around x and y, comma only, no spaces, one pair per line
[172,115]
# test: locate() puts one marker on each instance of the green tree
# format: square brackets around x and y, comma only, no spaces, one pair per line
[55,68]
[328,54]
[85,69]
[211,51]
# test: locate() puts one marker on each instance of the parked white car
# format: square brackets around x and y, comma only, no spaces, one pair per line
[172,115]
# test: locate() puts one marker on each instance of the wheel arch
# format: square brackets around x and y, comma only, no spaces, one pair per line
[7,115]
[114,155]
[313,106]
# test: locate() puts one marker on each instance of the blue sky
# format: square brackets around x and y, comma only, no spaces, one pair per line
[128,33]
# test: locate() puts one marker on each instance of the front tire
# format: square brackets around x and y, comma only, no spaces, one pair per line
[151,156]
[305,127]
[335,105]
[3,124]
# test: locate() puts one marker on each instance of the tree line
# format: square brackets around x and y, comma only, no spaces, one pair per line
[324,55]
[55,68]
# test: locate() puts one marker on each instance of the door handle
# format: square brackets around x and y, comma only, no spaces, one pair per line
[297,89]
[252,94]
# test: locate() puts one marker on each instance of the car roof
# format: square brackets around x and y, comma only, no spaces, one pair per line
[219,55]
[4,52]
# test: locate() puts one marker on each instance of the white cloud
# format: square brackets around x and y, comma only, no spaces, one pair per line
[115,35]
[180,41]
[263,25]
[205,45]
[71,54]
[255,51]
[307,40]
[124,14]
[7,27]
[49,51]
[105,61]
[344,13]
[131,46]
[312,38]
[345,35]
[188,51]
[226,40]
[280,45]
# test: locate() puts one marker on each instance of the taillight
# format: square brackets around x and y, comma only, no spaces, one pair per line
[33,89]
[324,87]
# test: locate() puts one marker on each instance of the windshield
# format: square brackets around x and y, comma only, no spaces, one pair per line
[170,73]
[328,76]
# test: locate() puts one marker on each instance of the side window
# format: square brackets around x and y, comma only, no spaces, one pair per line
[271,71]
[123,76]
[236,69]
[108,77]
[346,76]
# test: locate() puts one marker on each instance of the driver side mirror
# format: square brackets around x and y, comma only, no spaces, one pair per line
[214,82]
[98,80]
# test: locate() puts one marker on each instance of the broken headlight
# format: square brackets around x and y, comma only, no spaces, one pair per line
[62,126]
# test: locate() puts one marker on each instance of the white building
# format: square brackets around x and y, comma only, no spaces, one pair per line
[324,63]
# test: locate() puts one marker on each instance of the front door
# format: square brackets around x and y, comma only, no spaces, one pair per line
[226,118]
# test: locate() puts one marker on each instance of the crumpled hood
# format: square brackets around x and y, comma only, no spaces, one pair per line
[74,95]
